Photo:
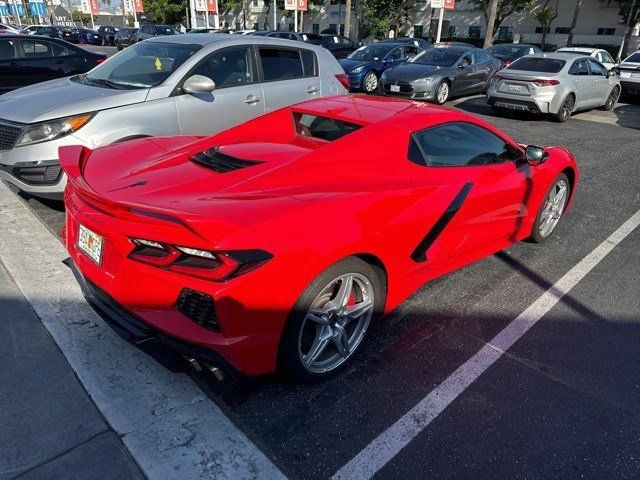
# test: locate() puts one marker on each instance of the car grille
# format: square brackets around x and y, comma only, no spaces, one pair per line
[199,307]
[9,133]
[39,175]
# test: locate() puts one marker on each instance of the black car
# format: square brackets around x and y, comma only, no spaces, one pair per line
[421,43]
[124,37]
[80,35]
[28,59]
[48,31]
[107,34]
[150,30]
[339,45]
[507,53]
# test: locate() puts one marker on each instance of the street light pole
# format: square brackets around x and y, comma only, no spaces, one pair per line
[439,34]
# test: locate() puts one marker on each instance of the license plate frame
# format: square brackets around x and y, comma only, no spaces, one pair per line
[90,244]
[516,88]
[394,88]
[635,75]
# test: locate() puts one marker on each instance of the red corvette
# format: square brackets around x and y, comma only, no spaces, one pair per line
[275,243]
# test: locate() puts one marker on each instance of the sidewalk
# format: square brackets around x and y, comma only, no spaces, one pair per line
[49,427]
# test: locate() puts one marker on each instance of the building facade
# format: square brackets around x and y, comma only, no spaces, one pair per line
[598,23]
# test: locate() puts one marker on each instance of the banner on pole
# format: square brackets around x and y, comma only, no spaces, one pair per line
[128,6]
[85,6]
[138,4]
[301,5]
[289,4]
[95,6]
[201,5]
[37,9]
[437,3]
[212,6]
[449,4]
[12,8]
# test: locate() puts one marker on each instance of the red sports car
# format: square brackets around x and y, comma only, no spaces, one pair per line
[275,243]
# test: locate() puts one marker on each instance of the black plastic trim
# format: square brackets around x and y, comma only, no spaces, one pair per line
[217,161]
[419,254]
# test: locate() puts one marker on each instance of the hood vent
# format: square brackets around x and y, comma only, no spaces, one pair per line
[220,162]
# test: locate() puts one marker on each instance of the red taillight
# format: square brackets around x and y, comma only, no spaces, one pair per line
[343,79]
[545,83]
[505,63]
[100,59]
[214,266]
[497,78]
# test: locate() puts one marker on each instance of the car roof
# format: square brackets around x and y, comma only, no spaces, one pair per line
[585,50]
[226,39]
[560,56]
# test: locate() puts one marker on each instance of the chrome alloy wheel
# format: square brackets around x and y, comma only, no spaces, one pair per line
[443,92]
[370,82]
[554,206]
[336,323]
[566,109]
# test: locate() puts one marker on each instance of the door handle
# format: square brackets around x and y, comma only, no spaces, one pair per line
[251,100]
[311,89]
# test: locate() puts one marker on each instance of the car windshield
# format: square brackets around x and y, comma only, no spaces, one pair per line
[533,64]
[439,57]
[371,52]
[143,65]
[166,30]
[634,58]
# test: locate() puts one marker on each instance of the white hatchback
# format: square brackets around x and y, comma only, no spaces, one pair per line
[601,55]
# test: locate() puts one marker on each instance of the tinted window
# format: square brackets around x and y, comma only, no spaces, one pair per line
[482,56]
[544,65]
[597,69]
[468,59]
[228,68]
[308,63]
[141,65]
[440,57]
[36,49]
[634,58]
[606,58]
[165,30]
[371,52]
[321,127]
[7,49]
[280,64]
[410,51]
[579,67]
[460,144]
[395,54]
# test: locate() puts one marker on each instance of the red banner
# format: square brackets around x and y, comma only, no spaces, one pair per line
[212,6]
[449,4]
[301,5]
[138,4]
[95,6]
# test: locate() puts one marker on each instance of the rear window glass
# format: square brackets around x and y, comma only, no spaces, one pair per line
[7,49]
[634,58]
[280,64]
[324,128]
[544,65]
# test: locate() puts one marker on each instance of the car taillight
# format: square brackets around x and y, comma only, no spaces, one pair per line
[100,59]
[204,264]
[497,78]
[545,83]
[505,63]
[343,79]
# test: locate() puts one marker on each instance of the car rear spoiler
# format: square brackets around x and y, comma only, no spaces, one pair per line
[73,159]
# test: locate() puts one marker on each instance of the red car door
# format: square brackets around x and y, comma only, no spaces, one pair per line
[481,188]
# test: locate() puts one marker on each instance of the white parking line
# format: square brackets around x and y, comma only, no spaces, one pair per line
[170,428]
[388,444]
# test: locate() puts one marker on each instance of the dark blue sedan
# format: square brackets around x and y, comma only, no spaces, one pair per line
[366,64]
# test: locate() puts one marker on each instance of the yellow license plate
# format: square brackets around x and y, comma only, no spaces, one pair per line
[90,243]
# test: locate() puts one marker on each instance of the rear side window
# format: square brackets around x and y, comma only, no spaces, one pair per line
[634,58]
[579,67]
[308,63]
[542,65]
[7,49]
[324,128]
[597,69]
[280,64]
[459,144]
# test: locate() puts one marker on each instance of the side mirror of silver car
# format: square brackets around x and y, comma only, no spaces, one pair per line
[198,84]
[535,155]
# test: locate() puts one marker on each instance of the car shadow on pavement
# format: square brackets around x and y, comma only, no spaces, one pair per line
[479,106]
[628,113]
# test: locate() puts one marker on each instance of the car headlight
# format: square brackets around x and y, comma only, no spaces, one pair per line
[425,80]
[358,70]
[52,129]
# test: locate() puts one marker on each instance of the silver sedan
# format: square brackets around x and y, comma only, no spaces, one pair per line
[557,84]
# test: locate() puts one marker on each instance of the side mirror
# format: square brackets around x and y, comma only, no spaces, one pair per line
[198,84]
[535,155]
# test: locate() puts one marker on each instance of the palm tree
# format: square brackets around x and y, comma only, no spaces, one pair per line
[493,12]
[347,18]
[572,30]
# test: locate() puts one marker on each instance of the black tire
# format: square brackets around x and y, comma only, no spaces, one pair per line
[118,47]
[435,96]
[612,99]
[289,358]
[500,111]
[536,237]
[566,109]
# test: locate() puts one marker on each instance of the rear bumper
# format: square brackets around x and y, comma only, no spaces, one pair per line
[519,104]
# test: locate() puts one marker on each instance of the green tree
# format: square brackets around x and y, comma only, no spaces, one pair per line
[629,10]
[505,9]
[574,22]
[547,13]
[165,11]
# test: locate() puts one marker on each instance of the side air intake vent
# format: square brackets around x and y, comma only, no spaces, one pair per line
[220,162]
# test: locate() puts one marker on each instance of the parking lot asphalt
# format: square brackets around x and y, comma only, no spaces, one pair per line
[561,403]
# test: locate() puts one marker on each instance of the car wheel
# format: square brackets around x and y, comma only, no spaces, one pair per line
[442,92]
[552,209]
[501,111]
[370,82]
[565,109]
[612,99]
[118,47]
[330,319]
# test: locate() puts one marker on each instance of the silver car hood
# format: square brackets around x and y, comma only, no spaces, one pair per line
[62,97]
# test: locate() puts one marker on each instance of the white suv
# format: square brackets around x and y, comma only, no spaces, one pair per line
[629,71]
